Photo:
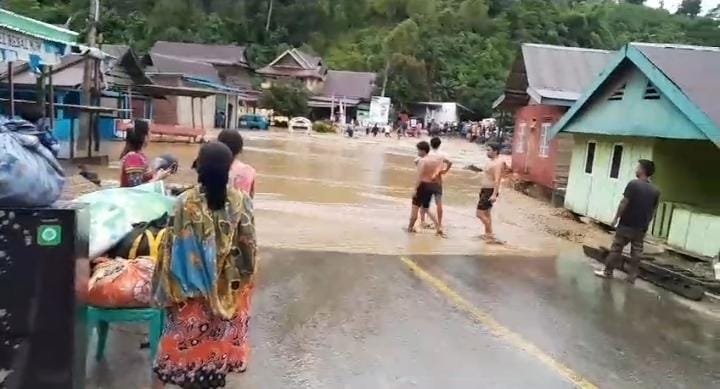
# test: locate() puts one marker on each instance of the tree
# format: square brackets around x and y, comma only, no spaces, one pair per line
[637,2]
[402,41]
[287,99]
[690,8]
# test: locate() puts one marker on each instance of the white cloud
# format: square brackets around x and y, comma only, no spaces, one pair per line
[672,5]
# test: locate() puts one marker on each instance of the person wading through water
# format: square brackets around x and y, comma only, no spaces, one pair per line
[204,279]
[636,210]
[429,169]
[435,152]
[490,181]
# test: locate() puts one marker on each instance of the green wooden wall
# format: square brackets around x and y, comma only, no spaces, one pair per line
[633,115]
[597,195]
[689,172]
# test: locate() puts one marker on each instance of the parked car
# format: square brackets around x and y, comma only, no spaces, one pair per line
[300,124]
[253,122]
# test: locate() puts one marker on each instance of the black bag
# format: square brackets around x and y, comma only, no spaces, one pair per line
[144,240]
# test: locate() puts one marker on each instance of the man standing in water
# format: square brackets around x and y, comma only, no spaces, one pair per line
[435,152]
[429,170]
[636,210]
[491,178]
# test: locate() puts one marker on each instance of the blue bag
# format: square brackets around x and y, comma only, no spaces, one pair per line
[30,176]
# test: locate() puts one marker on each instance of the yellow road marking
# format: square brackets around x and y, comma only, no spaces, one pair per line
[497,329]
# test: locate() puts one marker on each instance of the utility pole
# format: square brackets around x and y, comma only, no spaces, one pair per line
[270,9]
[85,135]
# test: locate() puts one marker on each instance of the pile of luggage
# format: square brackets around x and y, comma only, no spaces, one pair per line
[128,227]
[30,175]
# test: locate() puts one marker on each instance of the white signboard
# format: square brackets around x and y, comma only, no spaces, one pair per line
[379,110]
[19,47]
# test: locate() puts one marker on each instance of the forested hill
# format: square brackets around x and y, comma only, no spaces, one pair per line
[451,50]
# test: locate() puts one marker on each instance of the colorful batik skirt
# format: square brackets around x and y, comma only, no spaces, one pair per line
[199,349]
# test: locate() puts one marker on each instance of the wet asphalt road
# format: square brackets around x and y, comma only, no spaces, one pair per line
[332,320]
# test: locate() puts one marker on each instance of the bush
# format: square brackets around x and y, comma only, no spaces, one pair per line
[323,127]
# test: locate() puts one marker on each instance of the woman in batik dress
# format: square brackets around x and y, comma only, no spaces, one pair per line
[204,279]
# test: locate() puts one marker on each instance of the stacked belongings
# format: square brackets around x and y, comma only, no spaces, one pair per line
[128,226]
[121,283]
[30,176]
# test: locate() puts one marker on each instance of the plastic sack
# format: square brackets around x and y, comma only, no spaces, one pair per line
[113,212]
[30,176]
[121,283]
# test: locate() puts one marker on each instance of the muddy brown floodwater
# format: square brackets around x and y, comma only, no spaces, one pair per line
[330,193]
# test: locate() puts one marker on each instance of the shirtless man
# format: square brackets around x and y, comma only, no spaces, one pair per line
[490,180]
[435,152]
[427,185]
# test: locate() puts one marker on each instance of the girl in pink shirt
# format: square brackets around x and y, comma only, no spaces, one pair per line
[242,176]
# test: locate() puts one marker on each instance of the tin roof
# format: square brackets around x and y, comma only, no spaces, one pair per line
[167,64]
[686,75]
[557,74]
[302,65]
[694,69]
[214,54]
[349,84]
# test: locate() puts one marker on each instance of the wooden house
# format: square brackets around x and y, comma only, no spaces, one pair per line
[223,69]
[328,88]
[543,83]
[657,102]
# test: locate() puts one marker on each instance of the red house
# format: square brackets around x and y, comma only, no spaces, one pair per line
[543,83]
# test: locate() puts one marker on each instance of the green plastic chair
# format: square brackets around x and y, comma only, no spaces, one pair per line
[101,319]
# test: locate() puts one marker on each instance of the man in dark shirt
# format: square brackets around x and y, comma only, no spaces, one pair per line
[633,217]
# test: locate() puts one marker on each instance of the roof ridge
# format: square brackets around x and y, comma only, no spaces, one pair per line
[676,46]
[569,48]
[181,59]
[229,45]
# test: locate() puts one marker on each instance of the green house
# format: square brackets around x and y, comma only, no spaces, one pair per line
[658,102]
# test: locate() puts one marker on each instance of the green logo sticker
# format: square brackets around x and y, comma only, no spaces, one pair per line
[49,235]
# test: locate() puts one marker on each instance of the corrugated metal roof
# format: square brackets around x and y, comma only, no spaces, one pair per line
[215,54]
[349,84]
[562,69]
[695,70]
[169,64]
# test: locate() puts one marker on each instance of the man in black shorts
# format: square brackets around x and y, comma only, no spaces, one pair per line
[427,186]
[491,177]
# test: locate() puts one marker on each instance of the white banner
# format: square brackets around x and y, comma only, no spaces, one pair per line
[379,110]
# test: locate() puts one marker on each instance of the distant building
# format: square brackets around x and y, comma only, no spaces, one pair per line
[329,88]
[543,83]
[222,69]
[657,102]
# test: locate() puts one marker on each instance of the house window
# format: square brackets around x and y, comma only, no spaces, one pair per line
[590,157]
[520,143]
[544,147]
[619,93]
[651,92]
[616,161]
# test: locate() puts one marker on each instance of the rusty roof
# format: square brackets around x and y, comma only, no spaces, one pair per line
[214,54]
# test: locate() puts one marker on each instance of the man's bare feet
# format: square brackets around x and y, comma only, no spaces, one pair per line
[410,230]
[441,234]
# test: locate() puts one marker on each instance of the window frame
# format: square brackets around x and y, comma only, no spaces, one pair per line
[544,144]
[587,154]
[612,157]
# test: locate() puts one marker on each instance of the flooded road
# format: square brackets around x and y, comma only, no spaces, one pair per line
[353,195]
[345,299]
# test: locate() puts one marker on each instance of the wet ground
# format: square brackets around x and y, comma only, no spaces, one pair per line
[345,299]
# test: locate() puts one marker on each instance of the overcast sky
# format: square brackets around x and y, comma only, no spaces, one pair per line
[671,5]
